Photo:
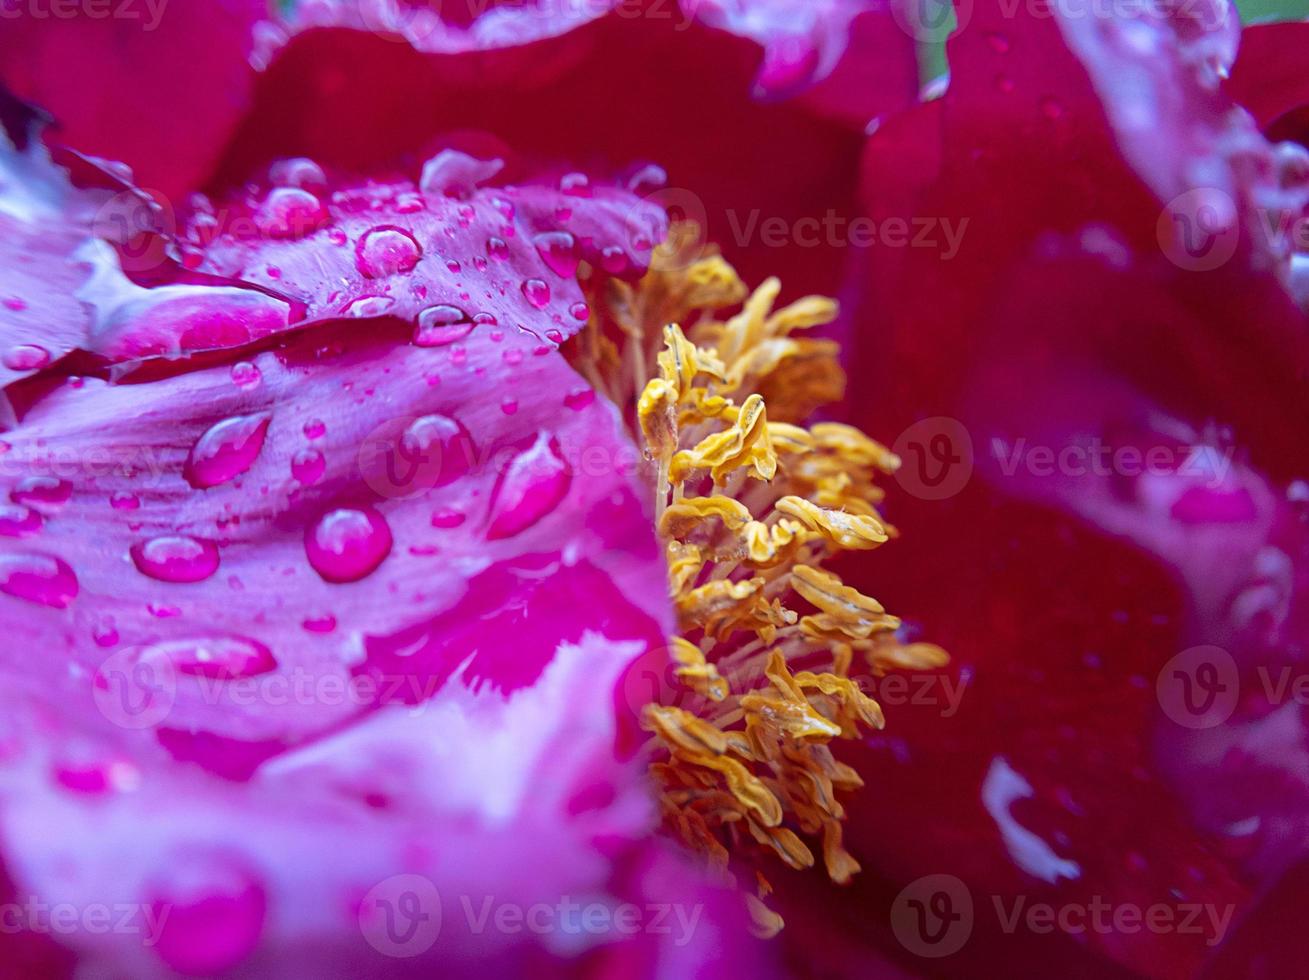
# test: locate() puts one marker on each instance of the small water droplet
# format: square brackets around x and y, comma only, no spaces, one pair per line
[579,398]
[532,485]
[48,494]
[245,375]
[217,657]
[497,248]
[38,578]
[558,249]
[537,293]
[386,251]
[440,325]
[26,357]
[315,429]
[298,172]
[367,306]
[290,212]
[448,517]
[307,466]
[227,450]
[509,405]
[176,558]
[17,521]
[348,544]
[319,624]
[578,185]
[122,500]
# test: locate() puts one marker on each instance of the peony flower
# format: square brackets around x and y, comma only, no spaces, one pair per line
[340,634]
[438,532]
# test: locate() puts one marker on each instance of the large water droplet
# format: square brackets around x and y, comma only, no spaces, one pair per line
[176,558]
[42,579]
[298,172]
[17,521]
[440,325]
[532,485]
[44,493]
[227,450]
[558,249]
[386,251]
[26,357]
[290,212]
[218,657]
[210,913]
[348,544]
[537,293]
[307,466]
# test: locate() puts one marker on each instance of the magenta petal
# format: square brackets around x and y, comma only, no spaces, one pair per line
[179,73]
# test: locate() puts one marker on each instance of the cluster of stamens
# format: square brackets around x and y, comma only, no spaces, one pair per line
[750,504]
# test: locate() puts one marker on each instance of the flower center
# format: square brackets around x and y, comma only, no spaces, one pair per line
[750,504]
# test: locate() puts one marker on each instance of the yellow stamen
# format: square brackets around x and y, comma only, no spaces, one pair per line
[750,503]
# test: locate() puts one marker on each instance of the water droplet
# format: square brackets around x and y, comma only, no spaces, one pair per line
[47,494]
[579,311]
[122,500]
[298,172]
[26,357]
[245,375]
[509,405]
[290,212]
[176,558]
[614,260]
[211,913]
[319,624]
[532,485]
[440,325]
[219,657]
[579,398]
[105,633]
[41,579]
[17,521]
[307,466]
[448,517]
[348,544]
[315,429]
[367,306]
[537,293]
[227,450]
[386,251]
[558,249]
[579,185]
[554,336]
[497,248]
